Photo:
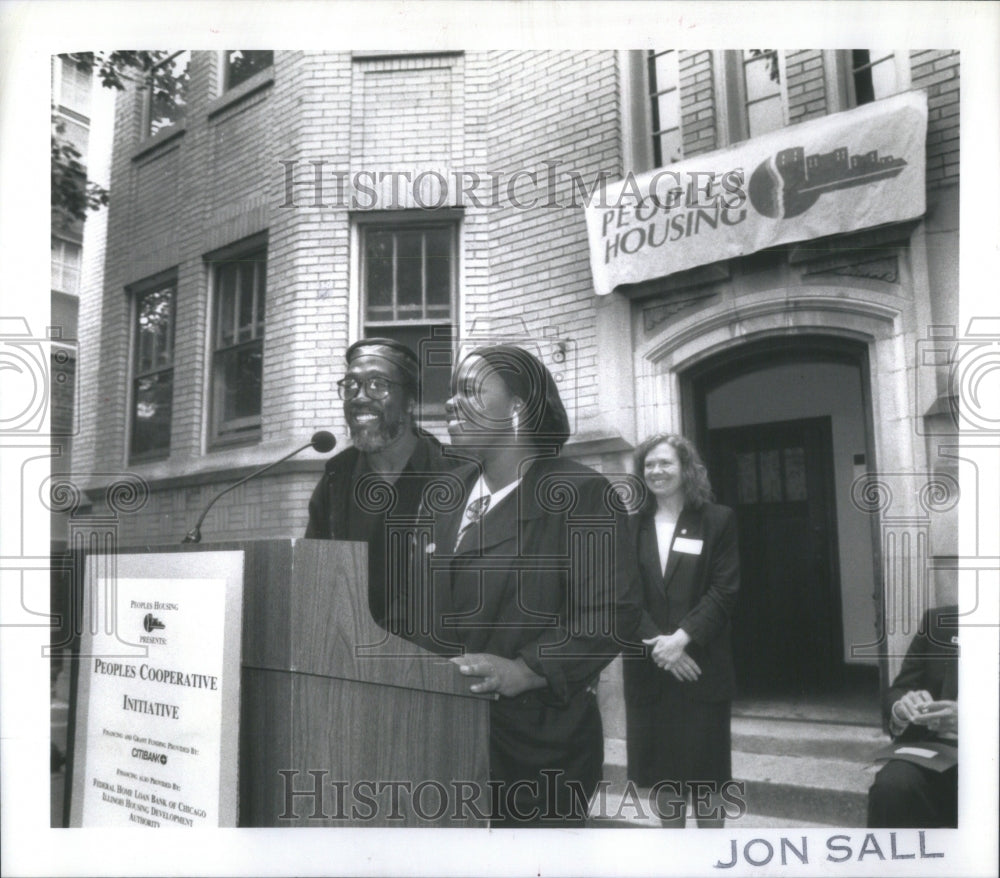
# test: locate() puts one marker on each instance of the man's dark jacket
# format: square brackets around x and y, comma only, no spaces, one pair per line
[351,502]
[931,663]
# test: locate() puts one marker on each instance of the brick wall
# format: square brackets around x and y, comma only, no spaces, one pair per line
[806,85]
[698,110]
[539,264]
[938,72]
[524,270]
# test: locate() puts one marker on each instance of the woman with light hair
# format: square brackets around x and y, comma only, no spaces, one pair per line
[678,697]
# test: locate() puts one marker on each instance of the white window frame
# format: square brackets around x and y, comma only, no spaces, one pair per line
[650,56]
[361,327]
[135,292]
[637,140]
[224,84]
[61,262]
[147,101]
[246,429]
[58,95]
[901,64]
[744,103]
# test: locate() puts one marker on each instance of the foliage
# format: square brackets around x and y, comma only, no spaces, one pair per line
[72,194]
[241,64]
[772,65]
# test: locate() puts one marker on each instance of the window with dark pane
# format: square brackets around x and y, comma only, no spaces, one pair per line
[746,477]
[762,82]
[238,338]
[795,474]
[770,476]
[153,372]
[408,278]
[167,91]
[241,64]
[663,74]
[874,74]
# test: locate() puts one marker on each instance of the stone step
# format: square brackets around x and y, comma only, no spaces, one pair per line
[796,738]
[830,792]
[796,773]
[612,809]
[780,737]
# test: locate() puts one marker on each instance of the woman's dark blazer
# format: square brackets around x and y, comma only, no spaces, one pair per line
[549,576]
[697,592]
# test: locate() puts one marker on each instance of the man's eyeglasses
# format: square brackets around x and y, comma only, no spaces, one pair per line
[375,388]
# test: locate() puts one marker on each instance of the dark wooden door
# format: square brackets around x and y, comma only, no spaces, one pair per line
[779,479]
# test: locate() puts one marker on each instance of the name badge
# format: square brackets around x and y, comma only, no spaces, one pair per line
[688,546]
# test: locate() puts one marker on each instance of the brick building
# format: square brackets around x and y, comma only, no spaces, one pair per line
[288,203]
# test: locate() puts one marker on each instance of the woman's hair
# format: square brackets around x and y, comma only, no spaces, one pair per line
[543,417]
[694,476]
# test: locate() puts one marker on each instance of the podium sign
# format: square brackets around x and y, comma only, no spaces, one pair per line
[158,692]
[248,684]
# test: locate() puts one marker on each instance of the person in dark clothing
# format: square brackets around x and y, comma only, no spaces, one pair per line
[378,482]
[533,581]
[678,698]
[923,709]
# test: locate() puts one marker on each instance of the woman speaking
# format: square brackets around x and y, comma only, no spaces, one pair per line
[678,698]
[535,584]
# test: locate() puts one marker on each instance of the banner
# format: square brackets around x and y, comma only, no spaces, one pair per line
[852,170]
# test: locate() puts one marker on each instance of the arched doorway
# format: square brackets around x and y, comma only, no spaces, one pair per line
[785,425]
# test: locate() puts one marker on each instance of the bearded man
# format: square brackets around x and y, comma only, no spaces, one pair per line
[378,482]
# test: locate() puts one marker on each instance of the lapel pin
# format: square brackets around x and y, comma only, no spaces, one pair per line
[684,530]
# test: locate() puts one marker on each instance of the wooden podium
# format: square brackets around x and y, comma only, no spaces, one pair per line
[341,723]
[326,689]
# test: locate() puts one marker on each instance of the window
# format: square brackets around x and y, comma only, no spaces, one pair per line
[65,266]
[665,103]
[167,91]
[153,371]
[74,86]
[408,278]
[238,282]
[76,134]
[241,64]
[762,91]
[874,75]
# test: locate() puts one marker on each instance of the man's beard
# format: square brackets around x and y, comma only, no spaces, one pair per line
[376,436]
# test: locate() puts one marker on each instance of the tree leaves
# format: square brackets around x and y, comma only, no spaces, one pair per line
[73,195]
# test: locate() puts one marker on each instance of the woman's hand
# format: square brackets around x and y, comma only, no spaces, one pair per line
[668,648]
[668,653]
[686,669]
[509,677]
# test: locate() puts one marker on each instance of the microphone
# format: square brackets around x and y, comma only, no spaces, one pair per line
[322,441]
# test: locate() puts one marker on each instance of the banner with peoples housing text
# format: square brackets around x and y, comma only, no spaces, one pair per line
[851,170]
